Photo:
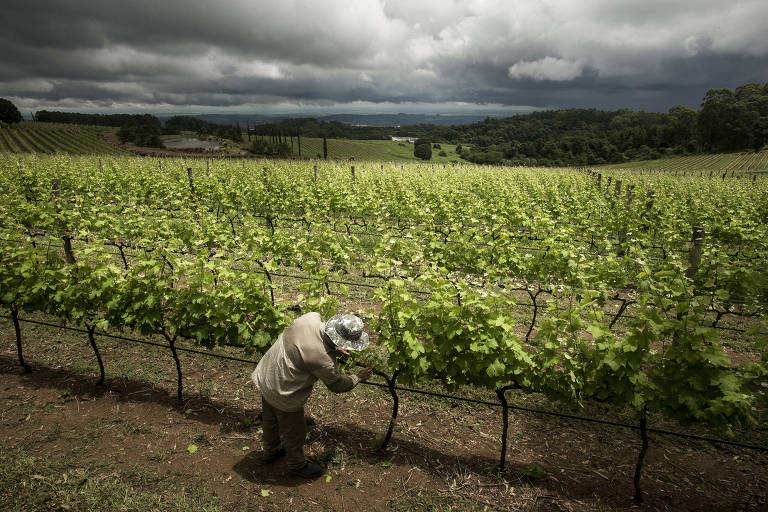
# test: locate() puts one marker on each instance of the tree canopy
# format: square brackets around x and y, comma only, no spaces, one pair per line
[422,149]
[732,120]
[8,112]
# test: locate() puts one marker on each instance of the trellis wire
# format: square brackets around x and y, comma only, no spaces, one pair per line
[574,417]
[373,286]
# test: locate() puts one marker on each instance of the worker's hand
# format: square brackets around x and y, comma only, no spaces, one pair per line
[364,374]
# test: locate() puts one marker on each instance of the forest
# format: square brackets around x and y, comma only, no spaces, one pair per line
[728,121]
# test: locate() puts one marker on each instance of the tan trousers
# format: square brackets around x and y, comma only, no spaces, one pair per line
[289,427]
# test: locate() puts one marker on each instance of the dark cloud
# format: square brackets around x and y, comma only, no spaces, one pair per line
[251,54]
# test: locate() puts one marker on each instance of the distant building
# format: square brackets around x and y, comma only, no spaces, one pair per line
[403,139]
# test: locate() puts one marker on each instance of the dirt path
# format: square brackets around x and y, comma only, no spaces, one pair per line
[443,456]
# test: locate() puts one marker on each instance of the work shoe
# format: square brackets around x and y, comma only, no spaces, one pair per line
[269,459]
[308,470]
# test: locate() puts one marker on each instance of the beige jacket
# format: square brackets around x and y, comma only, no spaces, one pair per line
[300,356]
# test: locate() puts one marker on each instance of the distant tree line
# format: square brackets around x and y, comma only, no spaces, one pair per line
[144,135]
[310,127]
[736,119]
[728,121]
[96,119]
[580,137]
[177,124]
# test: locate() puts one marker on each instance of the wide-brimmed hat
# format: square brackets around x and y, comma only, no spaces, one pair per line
[346,331]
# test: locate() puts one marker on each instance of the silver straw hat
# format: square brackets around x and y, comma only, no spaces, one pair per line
[346,331]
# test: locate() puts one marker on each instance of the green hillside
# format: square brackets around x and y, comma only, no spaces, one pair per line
[384,150]
[51,138]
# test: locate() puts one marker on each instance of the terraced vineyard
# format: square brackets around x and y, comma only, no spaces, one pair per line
[746,161]
[52,138]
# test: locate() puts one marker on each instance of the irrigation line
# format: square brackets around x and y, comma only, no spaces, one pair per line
[429,393]
[134,340]
[579,418]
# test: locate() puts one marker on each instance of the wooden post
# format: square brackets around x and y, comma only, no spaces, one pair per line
[694,257]
[353,174]
[160,164]
[754,179]
[622,230]
[191,180]
[649,203]
[608,183]
[618,188]
[315,174]
[599,180]
[56,188]
[56,195]
[208,165]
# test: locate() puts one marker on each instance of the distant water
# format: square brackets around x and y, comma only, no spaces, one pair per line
[190,143]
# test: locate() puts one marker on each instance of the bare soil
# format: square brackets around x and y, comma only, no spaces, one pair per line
[444,454]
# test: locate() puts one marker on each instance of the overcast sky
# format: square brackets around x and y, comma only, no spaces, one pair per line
[375,55]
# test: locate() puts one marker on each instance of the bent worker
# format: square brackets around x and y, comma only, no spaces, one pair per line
[305,352]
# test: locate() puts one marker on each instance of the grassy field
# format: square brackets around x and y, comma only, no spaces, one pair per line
[384,150]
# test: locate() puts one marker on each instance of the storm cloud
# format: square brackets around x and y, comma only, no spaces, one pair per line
[374,55]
